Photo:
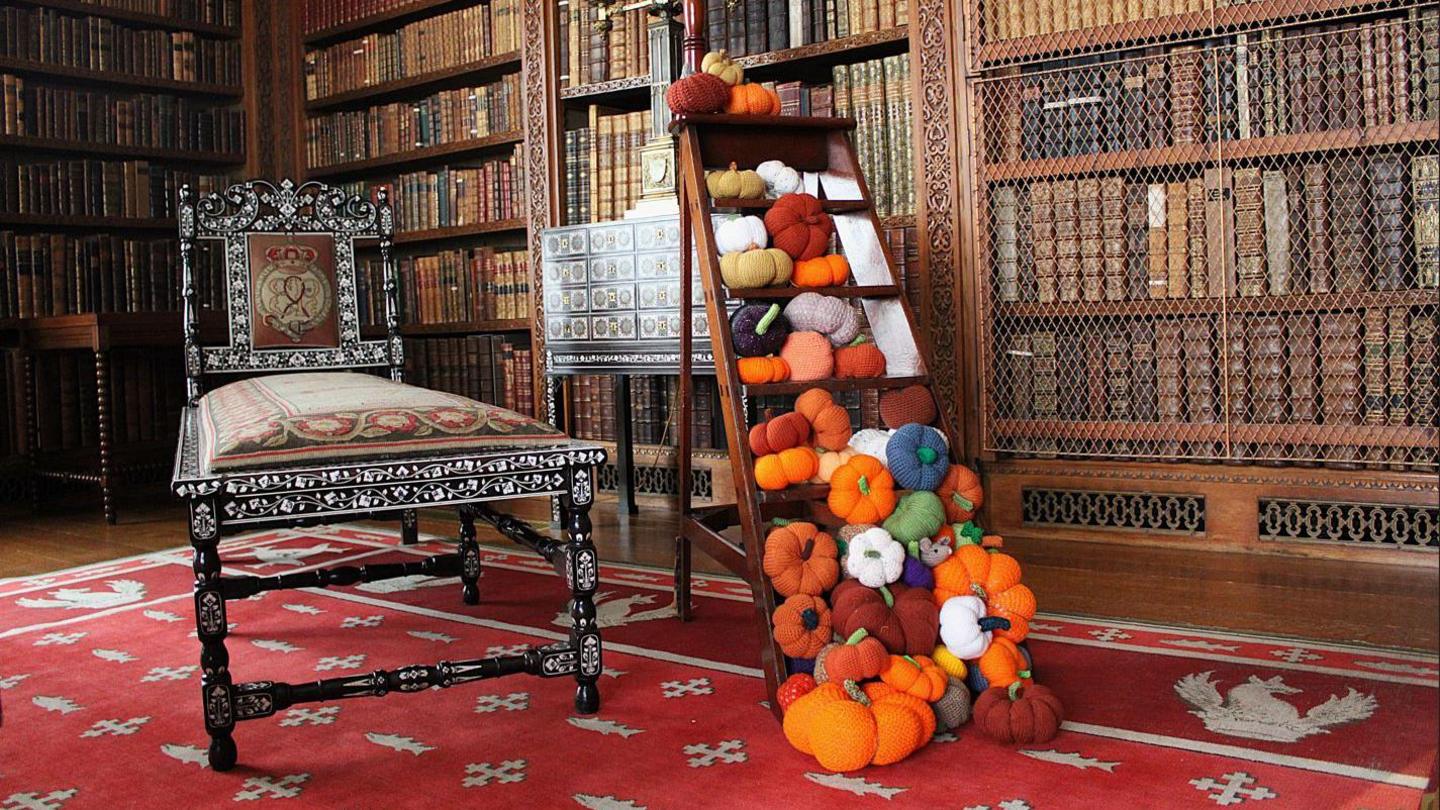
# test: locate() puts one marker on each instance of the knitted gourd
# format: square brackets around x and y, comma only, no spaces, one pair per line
[779,178]
[740,234]
[949,662]
[832,317]
[904,405]
[903,619]
[961,493]
[799,558]
[780,433]
[697,94]
[779,470]
[858,658]
[916,455]
[874,558]
[802,710]
[847,730]
[858,360]
[718,63]
[752,99]
[830,461]
[953,709]
[917,574]
[809,356]
[862,491]
[1019,715]
[799,226]
[871,442]
[831,270]
[916,675]
[761,370]
[795,687]
[879,691]
[830,422]
[733,183]
[1002,664]
[802,625]
[758,330]
[964,627]
[917,515]
[755,268]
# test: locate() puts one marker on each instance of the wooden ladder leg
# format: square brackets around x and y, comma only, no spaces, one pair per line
[682,578]
[469,557]
[217,692]
[583,572]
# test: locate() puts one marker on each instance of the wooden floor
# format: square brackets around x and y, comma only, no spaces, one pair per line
[1317,599]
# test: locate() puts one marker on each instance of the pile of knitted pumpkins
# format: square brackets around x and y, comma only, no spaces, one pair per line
[892,623]
[719,86]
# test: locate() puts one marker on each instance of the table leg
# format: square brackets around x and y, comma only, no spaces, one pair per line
[102,402]
[624,448]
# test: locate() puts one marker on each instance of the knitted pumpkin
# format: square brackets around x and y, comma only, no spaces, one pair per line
[761,370]
[718,63]
[799,558]
[830,461]
[900,406]
[846,730]
[858,658]
[802,625]
[862,491]
[879,691]
[871,442]
[733,183]
[752,99]
[874,558]
[952,710]
[964,627]
[795,687]
[803,709]
[831,270]
[832,317]
[809,356]
[779,470]
[779,433]
[994,577]
[916,675]
[917,515]
[1019,715]
[903,619]
[798,225]
[949,662]
[739,234]
[830,422]
[779,178]
[697,94]
[918,458]
[1002,664]
[917,574]
[961,492]
[758,330]
[858,360]
[755,268]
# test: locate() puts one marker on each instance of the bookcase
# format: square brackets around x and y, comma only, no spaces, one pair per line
[1206,270]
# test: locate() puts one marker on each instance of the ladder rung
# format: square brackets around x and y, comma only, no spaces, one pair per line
[828,206]
[874,291]
[802,492]
[862,384]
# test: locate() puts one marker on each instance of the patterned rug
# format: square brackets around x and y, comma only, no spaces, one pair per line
[98,682]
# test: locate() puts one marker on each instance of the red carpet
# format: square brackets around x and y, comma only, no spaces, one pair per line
[98,682]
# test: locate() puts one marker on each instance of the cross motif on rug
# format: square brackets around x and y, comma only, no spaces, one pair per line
[350,622]
[1295,655]
[483,773]
[1234,788]
[115,728]
[322,716]
[168,674]
[274,645]
[59,638]
[264,787]
[1110,634]
[694,686]
[726,751]
[340,662]
[34,801]
[513,702]
[308,610]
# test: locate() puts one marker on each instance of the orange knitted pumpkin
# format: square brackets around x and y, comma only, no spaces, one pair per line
[799,558]
[831,270]
[961,493]
[1003,664]
[780,433]
[798,225]
[829,422]
[846,730]
[993,576]
[859,359]
[803,709]
[809,356]
[879,690]
[698,93]
[791,466]
[916,675]
[761,370]
[862,491]
[802,625]
[752,99]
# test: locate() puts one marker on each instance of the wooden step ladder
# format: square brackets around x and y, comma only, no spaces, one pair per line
[819,148]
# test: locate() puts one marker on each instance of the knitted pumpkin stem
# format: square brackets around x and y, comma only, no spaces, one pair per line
[962,501]
[807,549]
[1014,691]
[911,660]
[809,619]
[855,693]
[857,636]
[864,485]
[927,455]
[779,521]
[887,596]
[769,317]
[858,341]
[992,623]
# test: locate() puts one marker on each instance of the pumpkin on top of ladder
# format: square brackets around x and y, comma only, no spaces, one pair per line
[880,603]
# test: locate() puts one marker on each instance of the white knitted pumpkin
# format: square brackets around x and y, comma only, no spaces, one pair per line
[741,234]
[779,178]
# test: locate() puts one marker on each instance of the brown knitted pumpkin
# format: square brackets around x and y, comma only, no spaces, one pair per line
[799,558]
[904,619]
[798,225]
[905,405]
[698,93]
[861,359]
[1019,714]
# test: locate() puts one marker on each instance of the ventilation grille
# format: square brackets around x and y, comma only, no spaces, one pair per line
[661,481]
[1353,524]
[1117,511]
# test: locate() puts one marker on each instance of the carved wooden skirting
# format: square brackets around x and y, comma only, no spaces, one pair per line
[1114,511]
[1283,520]
[602,88]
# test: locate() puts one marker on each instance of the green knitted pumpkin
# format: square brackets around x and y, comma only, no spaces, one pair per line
[919,514]
[761,267]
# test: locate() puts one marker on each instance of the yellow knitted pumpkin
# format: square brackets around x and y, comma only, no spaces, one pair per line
[734,183]
[718,63]
[762,267]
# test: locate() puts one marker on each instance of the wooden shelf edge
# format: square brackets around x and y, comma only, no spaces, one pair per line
[761,121]
[167,22]
[107,77]
[133,152]
[440,234]
[833,385]
[829,49]
[418,155]
[772,293]
[593,90]
[450,329]
[387,18]
[1296,302]
[497,62]
[117,223]
[829,206]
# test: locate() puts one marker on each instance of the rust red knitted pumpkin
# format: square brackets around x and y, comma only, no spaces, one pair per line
[698,93]
[897,616]
[860,359]
[781,433]
[1019,714]
[798,225]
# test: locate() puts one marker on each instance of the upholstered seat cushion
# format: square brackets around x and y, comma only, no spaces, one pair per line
[314,417]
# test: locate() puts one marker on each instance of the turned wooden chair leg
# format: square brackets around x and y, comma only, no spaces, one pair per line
[469,557]
[409,527]
[583,572]
[217,694]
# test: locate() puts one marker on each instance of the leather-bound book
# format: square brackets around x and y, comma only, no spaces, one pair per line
[1186,117]
[1042,227]
[735,28]
[1087,209]
[1131,107]
[1097,378]
[1054,114]
[1236,361]
[1398,407]
[1023,120]
[1067,241]
[1424,43]
[1177,241]
[1422,382]
[1425,218]
[1399,77]
[1340,379]
[1137,235]
[1199,370]
[1220,230]
[1295,212]
[1168,395]
[1266,383]
[1346,96]
[1117,375]
[1301,377]
[1277,231]
[1349,216]
[1376,403]
[1317,228]
[1247,95]
[1157,98]
[1025,244]
[1249,233]
[1384,99]
[1369,107]
[1387,188]
[1073,366]
[1017,402]
[1292,50]
[1142,372]
[1316,101]
[1113,236]
[1045,385]
[1196,246]
[1158,275]
[1007,266]
[777,25]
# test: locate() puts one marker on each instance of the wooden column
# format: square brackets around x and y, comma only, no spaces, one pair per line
[274,64]
[544,171]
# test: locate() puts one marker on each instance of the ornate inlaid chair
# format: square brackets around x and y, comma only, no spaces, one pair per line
[302,439]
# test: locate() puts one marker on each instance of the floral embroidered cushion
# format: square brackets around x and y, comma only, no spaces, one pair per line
[322,416]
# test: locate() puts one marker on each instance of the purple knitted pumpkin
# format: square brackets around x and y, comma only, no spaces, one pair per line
[758,330]
[917,574]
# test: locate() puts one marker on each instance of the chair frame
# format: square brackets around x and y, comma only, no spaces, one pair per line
[225,502]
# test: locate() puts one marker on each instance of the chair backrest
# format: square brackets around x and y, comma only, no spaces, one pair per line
[289,278]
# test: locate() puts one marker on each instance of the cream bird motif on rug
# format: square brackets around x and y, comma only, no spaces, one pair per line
[615,611]
[122,592]
[1252,710]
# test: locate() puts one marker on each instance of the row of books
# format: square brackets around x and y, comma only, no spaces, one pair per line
[877,95]
[451,286]
[487,368]
[97,188]
[1344,225]
[1002,19]
[145,392]
[118,119]
[415,49]
[1263,85]
[654,407]
[213,12]
[45,274]
[1350,368]
[756,26]
[602,166]
[450,116]
[318,15]
[589,53]
[100,43]
[454,196]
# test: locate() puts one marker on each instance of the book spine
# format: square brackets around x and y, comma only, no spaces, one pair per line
[1277,231]
[1425,218]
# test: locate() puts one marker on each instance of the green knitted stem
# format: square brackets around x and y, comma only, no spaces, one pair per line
[872,554]
[1023,674]
[978,590]
[857,636]
[809,619]
[888,597]
[962,501]
[856,693]
[864,485]
[859,339]
[808,549]
[780,521]
[992,623]
[970,530]
[912,548]
[770,315]
[911,660]
[926,455]
[1014,691]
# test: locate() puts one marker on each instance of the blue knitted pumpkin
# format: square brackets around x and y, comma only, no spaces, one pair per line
[917,457]
[758,330]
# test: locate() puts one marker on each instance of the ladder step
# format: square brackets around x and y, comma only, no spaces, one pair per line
[829,206]
[833,386]
[873,291]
